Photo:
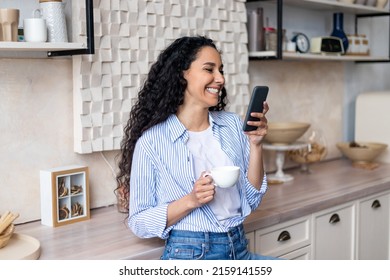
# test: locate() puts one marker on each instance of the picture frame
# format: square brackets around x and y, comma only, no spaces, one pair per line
[64,195]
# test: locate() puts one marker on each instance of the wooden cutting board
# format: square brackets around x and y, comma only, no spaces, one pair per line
[372,120]
[21,247]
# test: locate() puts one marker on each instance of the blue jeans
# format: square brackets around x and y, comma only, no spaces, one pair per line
[190,245]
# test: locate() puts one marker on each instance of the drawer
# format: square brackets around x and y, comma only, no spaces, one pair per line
[283,238]
[300,254]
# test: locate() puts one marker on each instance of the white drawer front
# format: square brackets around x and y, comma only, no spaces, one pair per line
[283,238]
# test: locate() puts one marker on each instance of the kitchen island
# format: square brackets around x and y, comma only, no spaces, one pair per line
[105,235]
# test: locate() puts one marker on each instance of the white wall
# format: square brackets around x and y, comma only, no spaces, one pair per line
[36,127]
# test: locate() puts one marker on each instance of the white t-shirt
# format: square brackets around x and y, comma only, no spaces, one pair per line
[207,153]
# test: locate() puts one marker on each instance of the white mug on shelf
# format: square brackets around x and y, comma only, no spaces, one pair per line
[35,29]
[291,46]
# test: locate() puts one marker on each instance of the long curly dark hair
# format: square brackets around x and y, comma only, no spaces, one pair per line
[161,95]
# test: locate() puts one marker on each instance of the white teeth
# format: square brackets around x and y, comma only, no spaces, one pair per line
[213,90]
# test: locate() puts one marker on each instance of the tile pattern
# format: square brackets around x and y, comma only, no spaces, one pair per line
[129,34]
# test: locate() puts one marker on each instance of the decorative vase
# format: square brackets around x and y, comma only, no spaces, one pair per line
[338,29]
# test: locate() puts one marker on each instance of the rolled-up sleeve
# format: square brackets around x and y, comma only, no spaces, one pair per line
[146,217]
[253,195]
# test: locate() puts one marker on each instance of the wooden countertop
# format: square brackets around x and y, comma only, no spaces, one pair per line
[105,235]
[330,183]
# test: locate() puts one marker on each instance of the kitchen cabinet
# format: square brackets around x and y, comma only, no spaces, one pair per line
[299,254]
[359,229]
[334,233]
[250,236]
[359,11]
[289,240]
[373,227]
[20,49]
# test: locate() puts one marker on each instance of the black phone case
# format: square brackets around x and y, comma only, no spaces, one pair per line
[259,95]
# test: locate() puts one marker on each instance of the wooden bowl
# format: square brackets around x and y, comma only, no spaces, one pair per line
[285,133]
[6,235]
[361,152]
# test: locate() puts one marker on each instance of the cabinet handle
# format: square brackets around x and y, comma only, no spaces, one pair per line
[334,219]
[284,236]
[376,204]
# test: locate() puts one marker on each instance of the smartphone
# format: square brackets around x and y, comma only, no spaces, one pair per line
[259,95]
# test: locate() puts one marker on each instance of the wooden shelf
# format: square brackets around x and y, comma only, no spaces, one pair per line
[264,54]
[308,56]
[332,5]
[45,47]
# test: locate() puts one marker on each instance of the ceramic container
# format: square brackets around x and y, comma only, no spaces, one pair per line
[9,22]
[53,13]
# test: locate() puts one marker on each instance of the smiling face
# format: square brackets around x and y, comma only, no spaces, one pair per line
[205,79]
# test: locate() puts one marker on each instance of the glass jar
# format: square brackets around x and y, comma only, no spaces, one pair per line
[315,151]
[271,38]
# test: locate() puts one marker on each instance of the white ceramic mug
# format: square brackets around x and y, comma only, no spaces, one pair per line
[35,30]
[224,176]
[291,46]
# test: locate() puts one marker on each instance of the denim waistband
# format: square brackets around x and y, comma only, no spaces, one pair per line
[233,233]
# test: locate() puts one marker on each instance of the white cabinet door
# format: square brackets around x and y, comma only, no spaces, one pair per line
[373,228]
[334,233]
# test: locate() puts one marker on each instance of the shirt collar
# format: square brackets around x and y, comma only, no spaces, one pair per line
[216,118]
[178,130]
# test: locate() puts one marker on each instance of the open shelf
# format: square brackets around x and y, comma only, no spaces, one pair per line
[331,5]
[52,49]
[359,11]
[308,56]
[45,47]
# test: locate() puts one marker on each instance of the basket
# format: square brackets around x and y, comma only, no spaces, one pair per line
[6,235]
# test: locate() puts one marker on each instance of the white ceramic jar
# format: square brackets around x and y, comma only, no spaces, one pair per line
[53,13]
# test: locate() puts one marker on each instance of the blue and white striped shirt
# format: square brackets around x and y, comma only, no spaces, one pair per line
[163,171]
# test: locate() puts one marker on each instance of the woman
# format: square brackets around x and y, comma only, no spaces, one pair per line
[178,130]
